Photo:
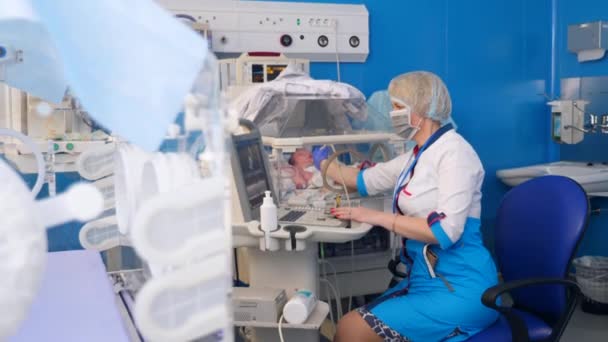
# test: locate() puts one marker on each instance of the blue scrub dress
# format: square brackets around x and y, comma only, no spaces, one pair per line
[438,301]
[445,308]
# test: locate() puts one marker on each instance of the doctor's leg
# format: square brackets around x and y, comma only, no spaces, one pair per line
[353,328]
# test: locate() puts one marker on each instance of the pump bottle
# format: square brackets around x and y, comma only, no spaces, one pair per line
[268,218]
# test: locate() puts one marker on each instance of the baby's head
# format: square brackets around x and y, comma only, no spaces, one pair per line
[301,158]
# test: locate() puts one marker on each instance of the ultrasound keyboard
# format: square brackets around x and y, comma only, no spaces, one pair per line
[309,217]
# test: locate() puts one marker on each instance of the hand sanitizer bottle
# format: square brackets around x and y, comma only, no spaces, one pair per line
[268,218]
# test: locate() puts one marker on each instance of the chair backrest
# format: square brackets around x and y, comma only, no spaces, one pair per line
[539,225]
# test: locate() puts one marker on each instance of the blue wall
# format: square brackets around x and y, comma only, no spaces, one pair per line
[495,57]
[64,237]
[575,12]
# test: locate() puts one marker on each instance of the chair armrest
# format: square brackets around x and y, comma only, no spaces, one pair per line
[519,330]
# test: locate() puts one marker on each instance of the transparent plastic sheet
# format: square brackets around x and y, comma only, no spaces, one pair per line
[378,108]
[96,163]
[23,241]
[22,250]
[97,166]
[41,71]
[112,86]
[101,234]
[296,105]
[180,227]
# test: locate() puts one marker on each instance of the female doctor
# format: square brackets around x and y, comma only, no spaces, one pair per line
[436,209]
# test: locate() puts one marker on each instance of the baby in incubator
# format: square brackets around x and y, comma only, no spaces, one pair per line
[300,172]
[303,170]
[301,182]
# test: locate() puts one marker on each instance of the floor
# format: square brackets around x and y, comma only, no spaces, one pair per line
[584,327]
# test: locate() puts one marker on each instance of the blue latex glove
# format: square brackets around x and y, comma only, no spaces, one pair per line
[319,155]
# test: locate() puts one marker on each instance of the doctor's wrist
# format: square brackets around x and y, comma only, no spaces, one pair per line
[393,225]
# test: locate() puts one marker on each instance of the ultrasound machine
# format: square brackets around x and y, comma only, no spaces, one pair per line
[253,176]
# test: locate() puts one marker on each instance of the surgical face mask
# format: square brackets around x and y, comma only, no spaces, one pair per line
[402,123]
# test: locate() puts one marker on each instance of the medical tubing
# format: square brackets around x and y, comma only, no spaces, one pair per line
[335,292]
[352,274]
[29,142]
[324,276]
[343,180]
[344,186]
[333,269]
[324,169]
[281,328]
[335,24]
[575,105]
[331,312]
[339,295]
[336,154]
[337,298]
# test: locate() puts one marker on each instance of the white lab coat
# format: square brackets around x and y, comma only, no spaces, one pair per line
[445,188]
[446,180]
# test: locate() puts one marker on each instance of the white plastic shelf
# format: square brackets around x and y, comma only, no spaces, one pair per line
[289,144]
[312,233]
[313,322]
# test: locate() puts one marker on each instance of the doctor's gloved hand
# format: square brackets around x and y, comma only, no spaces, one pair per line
[319,155]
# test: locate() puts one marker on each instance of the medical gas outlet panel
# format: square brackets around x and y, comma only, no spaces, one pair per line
[317,32]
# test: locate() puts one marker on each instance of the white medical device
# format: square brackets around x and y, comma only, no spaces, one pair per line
[180,227]
[258,304]
[568,121]
[254,68]
[252,178]
[62,129]
[24,241]
[268,220]
[318,32]
[299,307]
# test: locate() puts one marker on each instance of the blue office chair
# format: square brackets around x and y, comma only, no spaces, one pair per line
[538,228]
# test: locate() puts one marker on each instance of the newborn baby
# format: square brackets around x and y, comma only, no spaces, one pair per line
[303,169]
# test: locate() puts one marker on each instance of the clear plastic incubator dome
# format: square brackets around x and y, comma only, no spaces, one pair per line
[296,117]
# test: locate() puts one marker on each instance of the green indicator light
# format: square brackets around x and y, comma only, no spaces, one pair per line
[56,147]
[70,146]
[298,22]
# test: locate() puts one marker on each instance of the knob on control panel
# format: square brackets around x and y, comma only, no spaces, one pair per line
[323,41]
[286,40]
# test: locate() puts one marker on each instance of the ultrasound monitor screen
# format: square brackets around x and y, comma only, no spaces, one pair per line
[253,170]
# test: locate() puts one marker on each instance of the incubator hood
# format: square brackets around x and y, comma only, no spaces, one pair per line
[301,116]
[296,106]
[289,122]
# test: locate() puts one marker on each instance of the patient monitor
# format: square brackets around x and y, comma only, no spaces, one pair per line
[254,68]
